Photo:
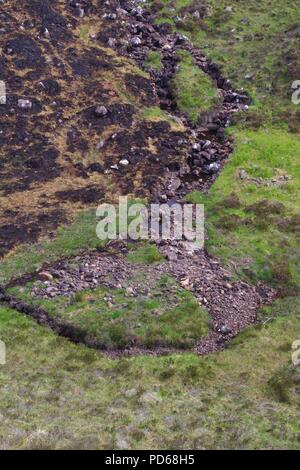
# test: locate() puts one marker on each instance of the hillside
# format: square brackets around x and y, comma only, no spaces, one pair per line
[149,344]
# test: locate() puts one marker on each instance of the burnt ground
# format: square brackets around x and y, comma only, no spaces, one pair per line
[55,154]
[60,155]
[53,58]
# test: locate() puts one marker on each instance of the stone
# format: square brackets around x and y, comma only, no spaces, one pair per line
[228,9]
[172,256]
[101,111]
[111,42]
[79,12]
[135,41]
[213,167]
[225,330]
[124,162]
[111,16]
[100,145]
[46,33]
[24,104]
[185,282]
[243,174]
[196,147]
[130,291]
[45,276]
[206,144]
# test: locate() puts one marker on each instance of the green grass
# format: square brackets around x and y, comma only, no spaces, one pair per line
[55,395]
[255,45]
[194,90]
[145,254]
[153,60]
[170,317]
[155,114]
[68,241]
[253,223]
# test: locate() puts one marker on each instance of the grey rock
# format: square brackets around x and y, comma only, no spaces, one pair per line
[213,167]
[101,111]
[172,256]
[46,33]
[24,104]
[111,42]
[225,330]
[100,145]
[135,41]
[196,147]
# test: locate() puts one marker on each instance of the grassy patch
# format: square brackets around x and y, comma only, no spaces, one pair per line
[145,254]
[252,211]
[255,45]
[55,395]
[153,60]
[169,316]
[194,90]
[155,114]
[68,241]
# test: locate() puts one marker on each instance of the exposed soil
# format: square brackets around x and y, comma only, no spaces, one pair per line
[53,148]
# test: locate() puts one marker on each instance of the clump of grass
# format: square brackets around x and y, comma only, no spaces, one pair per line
[155,114]
[145,254]
[153,60]
[284,384]
[194,90]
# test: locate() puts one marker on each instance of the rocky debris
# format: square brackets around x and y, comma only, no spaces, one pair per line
[232,305]
[205,159]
